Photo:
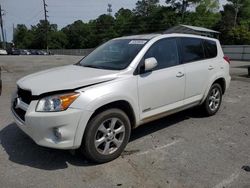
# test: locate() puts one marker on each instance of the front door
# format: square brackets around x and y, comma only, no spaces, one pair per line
[163,88]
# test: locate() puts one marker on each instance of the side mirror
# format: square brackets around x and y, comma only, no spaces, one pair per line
[150,64]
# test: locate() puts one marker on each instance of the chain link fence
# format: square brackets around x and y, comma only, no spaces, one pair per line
[234,52]
[237,52]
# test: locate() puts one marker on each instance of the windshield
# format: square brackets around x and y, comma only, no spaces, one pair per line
[114,55]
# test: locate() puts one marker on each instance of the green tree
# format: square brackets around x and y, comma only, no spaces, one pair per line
[39,33]
[234,30]
[206,14]
[181,6]
[205,6]
[124,22]
[145,7]
[57,40]
[22,37]
[105,28]
[239,35]
[241,10]
[77,34]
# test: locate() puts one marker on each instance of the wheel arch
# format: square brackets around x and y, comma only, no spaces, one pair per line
[123,105]
[222,82]
[219,80]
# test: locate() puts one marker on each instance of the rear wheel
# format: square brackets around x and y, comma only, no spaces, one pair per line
[213,101]
[106,136]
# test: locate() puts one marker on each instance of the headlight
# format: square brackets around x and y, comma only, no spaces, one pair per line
[56,103]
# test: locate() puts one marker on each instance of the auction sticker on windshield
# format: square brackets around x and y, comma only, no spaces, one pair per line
[137,42]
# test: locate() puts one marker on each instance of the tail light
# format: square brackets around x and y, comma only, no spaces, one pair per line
[227,59]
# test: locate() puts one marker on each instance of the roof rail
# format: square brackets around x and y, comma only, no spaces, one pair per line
[188,29]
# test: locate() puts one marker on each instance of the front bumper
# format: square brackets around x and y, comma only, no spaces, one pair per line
[44,127]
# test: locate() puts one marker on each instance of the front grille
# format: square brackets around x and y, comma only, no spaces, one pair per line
[21,113]
[24,95]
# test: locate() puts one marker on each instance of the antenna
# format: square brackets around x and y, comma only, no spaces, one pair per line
[109,10]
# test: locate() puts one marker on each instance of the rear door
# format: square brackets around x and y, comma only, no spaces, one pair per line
[196,68]
[211,55]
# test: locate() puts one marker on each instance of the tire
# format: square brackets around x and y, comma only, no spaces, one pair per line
[213,101]
[99,135]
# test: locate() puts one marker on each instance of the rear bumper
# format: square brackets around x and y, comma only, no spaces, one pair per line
[51,129]
[228,80]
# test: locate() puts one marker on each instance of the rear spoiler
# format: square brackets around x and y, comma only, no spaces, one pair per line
[0,81]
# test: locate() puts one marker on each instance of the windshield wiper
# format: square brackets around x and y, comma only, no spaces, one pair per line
[92,66]
[100,67]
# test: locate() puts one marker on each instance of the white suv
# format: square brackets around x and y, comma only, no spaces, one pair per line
[126,82]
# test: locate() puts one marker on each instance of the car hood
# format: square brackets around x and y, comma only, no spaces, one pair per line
[64,78]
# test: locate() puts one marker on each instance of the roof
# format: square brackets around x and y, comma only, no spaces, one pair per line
[200,29]
[188,29]
[146,36]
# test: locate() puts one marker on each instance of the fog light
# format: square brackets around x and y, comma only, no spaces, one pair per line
[57,133]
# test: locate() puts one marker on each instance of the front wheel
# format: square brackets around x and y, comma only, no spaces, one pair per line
[213,101]
[106,136]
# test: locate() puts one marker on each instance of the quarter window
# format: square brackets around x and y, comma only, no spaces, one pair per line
[192,49]
[165,52]
[210,48]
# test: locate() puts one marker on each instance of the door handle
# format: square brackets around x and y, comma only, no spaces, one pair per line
[210,67]
[179,74]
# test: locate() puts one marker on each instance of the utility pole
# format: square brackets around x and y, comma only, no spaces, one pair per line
[46,24]
[13,31]
[1,25]
[183,9]
[109,9]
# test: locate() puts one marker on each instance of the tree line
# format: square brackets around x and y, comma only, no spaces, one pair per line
[148,16]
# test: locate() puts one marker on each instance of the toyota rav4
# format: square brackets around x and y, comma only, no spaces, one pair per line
[126,82]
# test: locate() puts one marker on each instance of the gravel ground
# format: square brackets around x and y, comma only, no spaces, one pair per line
[182,150]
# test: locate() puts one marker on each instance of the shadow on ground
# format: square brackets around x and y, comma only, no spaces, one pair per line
[22,150]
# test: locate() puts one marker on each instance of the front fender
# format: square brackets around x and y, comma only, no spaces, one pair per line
[96,97]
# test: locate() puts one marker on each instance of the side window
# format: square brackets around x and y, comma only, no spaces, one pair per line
[192,49]
[210,48]
[165,52]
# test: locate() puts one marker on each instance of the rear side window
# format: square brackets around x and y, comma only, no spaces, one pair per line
[192,49]
[165,52]
[210,48]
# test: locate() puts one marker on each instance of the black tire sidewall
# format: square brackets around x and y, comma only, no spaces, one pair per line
[207,108]
[88,145]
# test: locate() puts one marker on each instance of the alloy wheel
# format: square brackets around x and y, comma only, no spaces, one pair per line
[214,99]
[109,136]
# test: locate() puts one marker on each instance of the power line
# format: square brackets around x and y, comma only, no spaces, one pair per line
[33,18]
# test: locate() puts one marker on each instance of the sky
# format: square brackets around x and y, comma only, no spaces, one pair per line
[61,12]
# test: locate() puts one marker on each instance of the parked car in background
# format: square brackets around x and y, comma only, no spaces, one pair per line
[124,83]
[3,52]
[34,52]
[25,52]
[16,52]
[41,52]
